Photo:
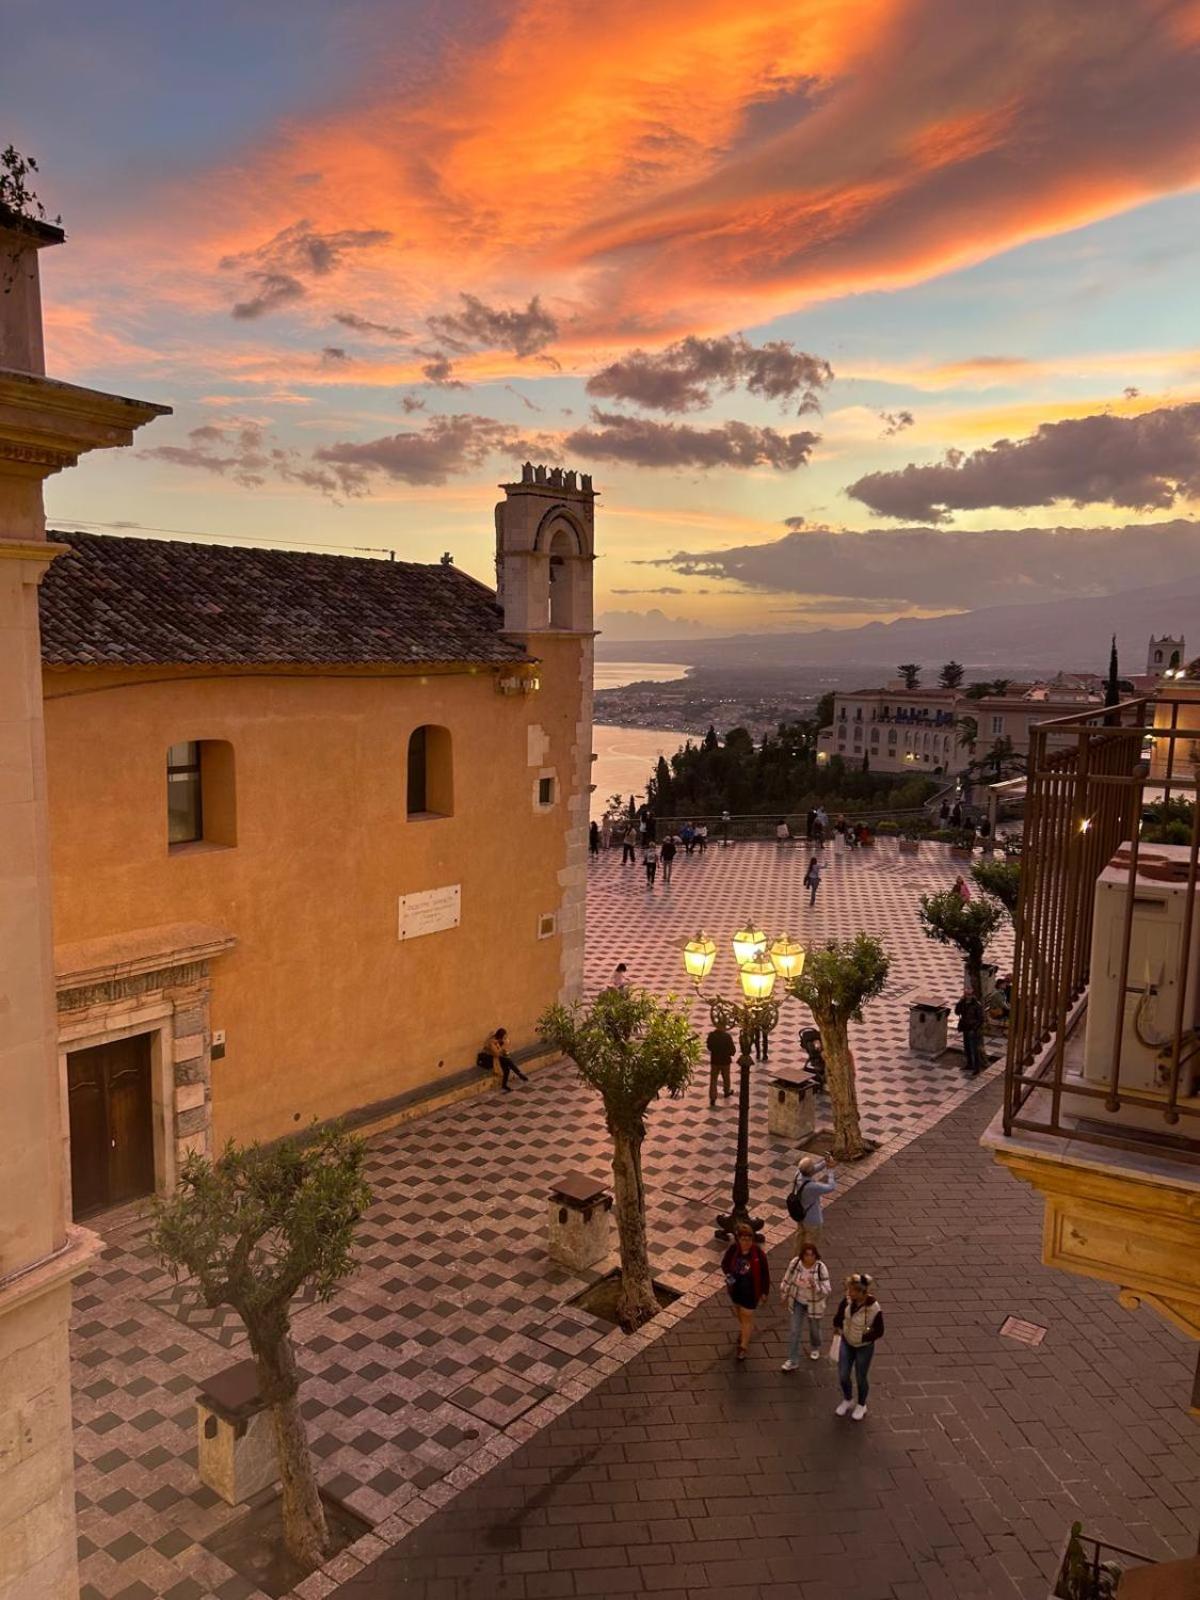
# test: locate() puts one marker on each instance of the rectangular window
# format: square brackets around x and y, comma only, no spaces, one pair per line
[545,791]
[185,814]
[418,750]
[997,724]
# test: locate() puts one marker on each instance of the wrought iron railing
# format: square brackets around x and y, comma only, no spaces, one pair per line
[1090,778]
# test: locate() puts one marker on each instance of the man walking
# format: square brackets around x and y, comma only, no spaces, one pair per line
[629,844]
[667,857]
[969,1011]
[721,1051]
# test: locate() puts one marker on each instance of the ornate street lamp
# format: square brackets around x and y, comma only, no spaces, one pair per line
[756,1013]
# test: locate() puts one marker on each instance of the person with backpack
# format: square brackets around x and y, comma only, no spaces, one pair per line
[805,1289]
[858,1323]
[814,1180]
[748,1280]
[812,880]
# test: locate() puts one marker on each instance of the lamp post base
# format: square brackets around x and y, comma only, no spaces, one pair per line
[727,1224]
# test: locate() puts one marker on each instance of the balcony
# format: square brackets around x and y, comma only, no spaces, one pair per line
[1102,1087]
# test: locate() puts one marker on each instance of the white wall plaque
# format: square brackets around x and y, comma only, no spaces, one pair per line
[430,911]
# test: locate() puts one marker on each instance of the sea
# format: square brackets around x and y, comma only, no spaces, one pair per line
[625,757]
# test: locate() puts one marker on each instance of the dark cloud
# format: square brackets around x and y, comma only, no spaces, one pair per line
[942,568]
[411,403]
[895,422]
[274,289]
[351,319]
[440,372]
[523,398]
[276,269]
[1144,463]
[1131,393]
[237,450]
[245,452]
[641,443]
[332,354]
[480,326]
[443,447]
[795,523]
[686,375]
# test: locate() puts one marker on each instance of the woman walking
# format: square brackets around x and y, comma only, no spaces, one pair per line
[594,839]
[812,880]
[805,1289]
[748,1279]
[859,1321]
[650,861]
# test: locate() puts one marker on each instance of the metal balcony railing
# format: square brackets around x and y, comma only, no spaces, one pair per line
[1090,778]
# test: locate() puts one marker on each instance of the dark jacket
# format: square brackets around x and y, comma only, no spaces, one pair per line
[970,1016]
[748,1286]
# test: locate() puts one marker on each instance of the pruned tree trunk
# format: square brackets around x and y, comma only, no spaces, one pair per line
[305,1531]
[636,1302]
[848,1141]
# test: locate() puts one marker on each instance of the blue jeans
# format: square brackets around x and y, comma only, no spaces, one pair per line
[973,1050]
[857,1359]
[800,1316]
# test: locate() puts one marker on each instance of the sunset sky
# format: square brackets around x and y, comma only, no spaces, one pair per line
[853,308]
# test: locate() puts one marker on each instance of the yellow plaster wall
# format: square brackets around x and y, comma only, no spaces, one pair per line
[323,1007]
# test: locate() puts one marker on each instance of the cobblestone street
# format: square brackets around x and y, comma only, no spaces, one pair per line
[456,1340]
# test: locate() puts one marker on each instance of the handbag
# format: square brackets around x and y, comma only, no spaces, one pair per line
[835,1347]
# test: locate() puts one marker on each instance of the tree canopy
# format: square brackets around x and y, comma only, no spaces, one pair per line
[1001,880]
[969,925]
[842,975]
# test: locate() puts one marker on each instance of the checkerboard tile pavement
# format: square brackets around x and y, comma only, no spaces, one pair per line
[456,1336]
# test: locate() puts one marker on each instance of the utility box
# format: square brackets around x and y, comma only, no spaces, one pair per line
[579,1221]
[928,1022]
[792,1106]
[235,1437]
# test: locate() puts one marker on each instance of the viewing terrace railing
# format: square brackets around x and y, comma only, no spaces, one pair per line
[752,826]
[1089,780]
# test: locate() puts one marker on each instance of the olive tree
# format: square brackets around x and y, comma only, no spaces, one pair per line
[254,1227]
[968,925]
[1001,880]
[630,1048]
[837,981]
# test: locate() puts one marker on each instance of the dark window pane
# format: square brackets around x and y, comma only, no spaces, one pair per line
[416,772]
[545,791]
[184,820]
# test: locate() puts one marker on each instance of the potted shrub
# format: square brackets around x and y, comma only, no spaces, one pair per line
[1081,1579]
[910,841]
[962,842]
[887,828]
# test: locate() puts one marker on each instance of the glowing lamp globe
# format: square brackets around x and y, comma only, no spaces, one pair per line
[787,957]
[698,956]
[758,979]
[749,945]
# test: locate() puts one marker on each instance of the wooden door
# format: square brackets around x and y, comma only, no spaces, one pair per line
[112,1123]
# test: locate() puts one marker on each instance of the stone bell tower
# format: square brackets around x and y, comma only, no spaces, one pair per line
[44,427]
[1163,655]
[545,547]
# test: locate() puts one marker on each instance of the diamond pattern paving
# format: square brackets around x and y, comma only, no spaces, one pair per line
[457,1329]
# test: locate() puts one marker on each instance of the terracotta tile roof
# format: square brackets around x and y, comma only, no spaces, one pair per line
[147,602]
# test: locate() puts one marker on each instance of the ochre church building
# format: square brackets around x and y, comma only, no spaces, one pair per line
[317,824]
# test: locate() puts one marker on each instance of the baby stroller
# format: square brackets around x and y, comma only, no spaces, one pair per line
[810,1043]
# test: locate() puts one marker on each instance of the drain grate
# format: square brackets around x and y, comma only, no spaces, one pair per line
[1023,1332]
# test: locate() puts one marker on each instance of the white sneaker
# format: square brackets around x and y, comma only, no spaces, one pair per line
[814,1355]
[846,1406]
[789,1366]
[859,1413]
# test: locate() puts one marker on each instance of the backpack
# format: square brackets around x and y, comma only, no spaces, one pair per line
[795,1203]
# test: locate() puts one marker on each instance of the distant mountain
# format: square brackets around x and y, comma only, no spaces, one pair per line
[997,640]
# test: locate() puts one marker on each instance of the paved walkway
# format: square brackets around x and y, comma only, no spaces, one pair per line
[456,1339]
[684,1476]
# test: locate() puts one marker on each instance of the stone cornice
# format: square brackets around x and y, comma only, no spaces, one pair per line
[30,550]
[46,425]
[77,1252]
[127,955]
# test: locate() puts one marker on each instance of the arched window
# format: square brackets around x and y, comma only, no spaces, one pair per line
[562,607]
[430,772]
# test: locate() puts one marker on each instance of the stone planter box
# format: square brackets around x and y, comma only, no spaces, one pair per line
[791,1108]
[910,847]
[579,1221]
[235,1439]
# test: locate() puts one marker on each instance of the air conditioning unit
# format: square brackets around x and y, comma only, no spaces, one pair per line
[1146,994]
